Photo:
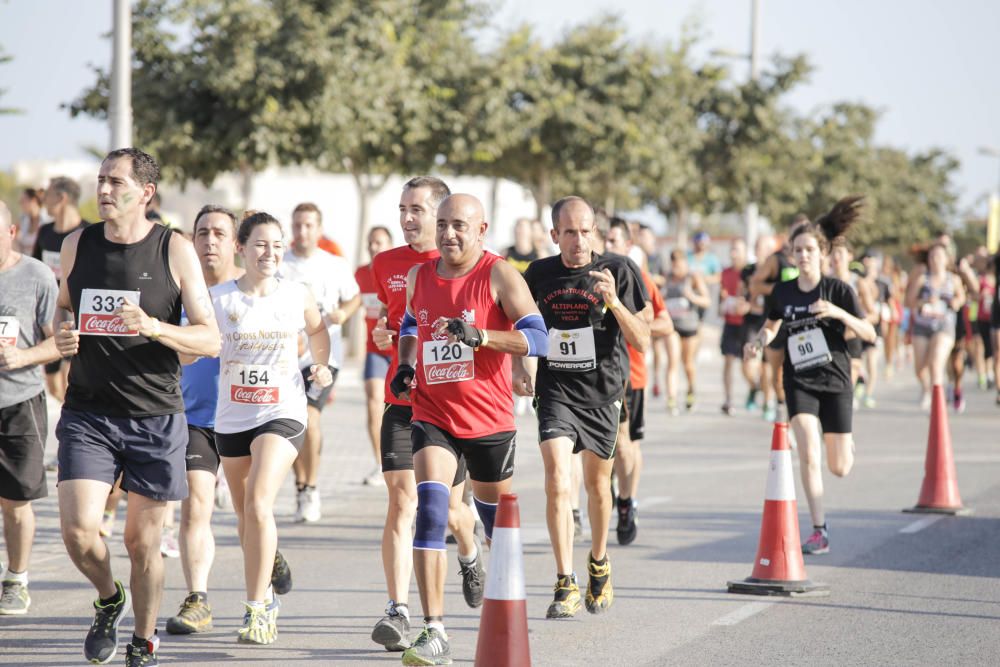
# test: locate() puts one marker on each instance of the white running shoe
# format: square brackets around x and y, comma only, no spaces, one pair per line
[223,498]
[374,478]
[168,544]
[307,506]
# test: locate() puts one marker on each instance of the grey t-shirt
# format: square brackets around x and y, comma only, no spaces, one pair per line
[28,295]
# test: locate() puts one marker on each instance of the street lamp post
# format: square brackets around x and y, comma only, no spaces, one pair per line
[120,111]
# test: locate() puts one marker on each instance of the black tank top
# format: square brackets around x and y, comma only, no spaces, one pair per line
[126,376]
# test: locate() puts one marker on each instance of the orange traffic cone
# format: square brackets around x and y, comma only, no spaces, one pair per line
[779,569]
[939,492]
[503,626]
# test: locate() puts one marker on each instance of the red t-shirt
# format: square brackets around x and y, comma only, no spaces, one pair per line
[371,306]
[389,269]
[638,375]
[466,392]
[732,285]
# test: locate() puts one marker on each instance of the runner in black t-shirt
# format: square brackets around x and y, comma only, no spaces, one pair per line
[815,312]
[589,303]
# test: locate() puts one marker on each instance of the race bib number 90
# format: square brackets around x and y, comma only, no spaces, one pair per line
[448,362]
[253,385]
[572,350]
[97,312]
[9,328]
[808,349]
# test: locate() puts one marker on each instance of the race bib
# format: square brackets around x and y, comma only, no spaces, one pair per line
[678,307]
[372,306]
[572,350]
[97,312]
[10,326]
[808,349]
[448,362]
[51,259]
[253,385]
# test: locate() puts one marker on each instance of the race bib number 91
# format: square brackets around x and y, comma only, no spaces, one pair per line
[572,350]
[253,385]
[97,312]
[9,328]
[448,362]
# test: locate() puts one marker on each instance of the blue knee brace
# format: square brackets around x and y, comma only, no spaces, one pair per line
[432,515]
[488,515]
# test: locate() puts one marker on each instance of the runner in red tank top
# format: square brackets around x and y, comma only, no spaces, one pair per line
[454,363]
[418,208]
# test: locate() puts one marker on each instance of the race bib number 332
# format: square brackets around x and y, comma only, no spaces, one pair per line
[97,312]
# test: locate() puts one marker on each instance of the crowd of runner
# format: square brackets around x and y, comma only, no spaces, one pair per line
[194,370]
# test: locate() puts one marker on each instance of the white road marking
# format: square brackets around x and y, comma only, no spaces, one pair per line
[920,524]
[743,613]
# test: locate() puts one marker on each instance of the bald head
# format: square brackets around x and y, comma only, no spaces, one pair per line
[462,206]
[574,209]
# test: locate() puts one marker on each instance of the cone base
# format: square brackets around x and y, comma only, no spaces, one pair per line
[794,589]
[951,511]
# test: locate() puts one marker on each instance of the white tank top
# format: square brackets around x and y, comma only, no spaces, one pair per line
[259,379]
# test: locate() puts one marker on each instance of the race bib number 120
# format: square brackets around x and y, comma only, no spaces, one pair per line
[97,312]
[448,362]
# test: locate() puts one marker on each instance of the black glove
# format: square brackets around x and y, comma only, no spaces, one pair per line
[400,382]
[465,332]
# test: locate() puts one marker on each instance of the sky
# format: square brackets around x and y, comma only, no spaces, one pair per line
[931,67]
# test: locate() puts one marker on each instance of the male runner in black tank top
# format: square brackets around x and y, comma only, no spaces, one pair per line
[123,409]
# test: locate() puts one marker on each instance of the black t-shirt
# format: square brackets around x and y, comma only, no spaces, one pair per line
[49,244]
[588,362]
[520,260]
[791,305]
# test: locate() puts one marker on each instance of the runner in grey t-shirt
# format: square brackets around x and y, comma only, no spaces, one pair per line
[27,305]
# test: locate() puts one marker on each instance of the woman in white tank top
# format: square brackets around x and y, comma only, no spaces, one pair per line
[261,413]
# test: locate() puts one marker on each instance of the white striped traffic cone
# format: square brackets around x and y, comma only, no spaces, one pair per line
[779,569]
[503,626]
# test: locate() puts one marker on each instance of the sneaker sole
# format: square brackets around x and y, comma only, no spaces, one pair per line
[184,628]
[418,661]
[818,552]
[14,612]
[565,613]
[121,616]
[390,638]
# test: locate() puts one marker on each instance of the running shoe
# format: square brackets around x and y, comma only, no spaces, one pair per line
[195,615]
[818,543]
[14,600]
[689,401]
[101,643]
[281,575]
[143,655]
[959,404]
[925,401]
[600,594]
[656,391]
[984,383]
[566,602]
[672,407]
[430,648]
[627,523]
[727,409]
[107,524]
[473,578]
[168,544]
[223,497]
[393,630]
[770,413]
[577,526]
[260,623]
[375,477]
[308,506]
[751,402]
[869,402]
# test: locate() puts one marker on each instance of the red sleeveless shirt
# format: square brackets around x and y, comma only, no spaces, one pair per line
[466,392]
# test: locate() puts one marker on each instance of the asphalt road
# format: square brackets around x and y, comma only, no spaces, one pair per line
[905,589]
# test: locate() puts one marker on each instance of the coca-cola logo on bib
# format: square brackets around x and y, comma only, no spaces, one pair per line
[253,395]
[453,372]
[107,325]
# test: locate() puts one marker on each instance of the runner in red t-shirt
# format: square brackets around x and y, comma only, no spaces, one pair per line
[632,424]
[733,306]
[376,361]
[456,340]
[418,206]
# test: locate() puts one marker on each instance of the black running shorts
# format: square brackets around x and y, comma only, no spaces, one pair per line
[489,458]
[733,338]
[591,429]
[238,444]
[23,427]
[397,443]
[834,410]
[202,453]
[635,406]
[855,347]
